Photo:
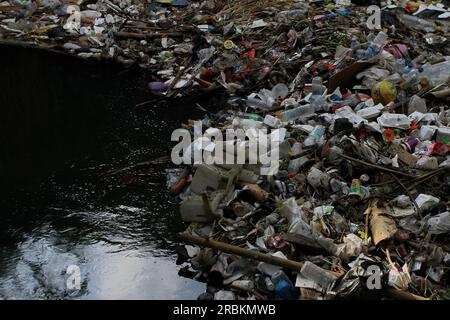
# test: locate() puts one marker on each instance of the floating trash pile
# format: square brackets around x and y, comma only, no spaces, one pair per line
[357,203]
[349,197]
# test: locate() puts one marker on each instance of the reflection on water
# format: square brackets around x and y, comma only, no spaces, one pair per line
[59,208]
[122,237]
[36,269]
[123,251]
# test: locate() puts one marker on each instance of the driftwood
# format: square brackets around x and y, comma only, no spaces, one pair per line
[375,166]
[285,263]
[228,248]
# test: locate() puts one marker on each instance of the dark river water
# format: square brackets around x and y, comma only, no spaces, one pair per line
[64,123]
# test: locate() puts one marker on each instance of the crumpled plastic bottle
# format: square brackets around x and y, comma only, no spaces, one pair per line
[284,289]
[376,45]
[317,87]
[315,136]
[296,113]
[417,23]
[265,98]
[411,79]
[290,15]
[402,67]
[437,73]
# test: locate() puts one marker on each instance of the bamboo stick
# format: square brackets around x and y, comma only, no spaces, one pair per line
[228,248]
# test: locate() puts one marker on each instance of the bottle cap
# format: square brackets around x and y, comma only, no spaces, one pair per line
[364,178]
[228,44]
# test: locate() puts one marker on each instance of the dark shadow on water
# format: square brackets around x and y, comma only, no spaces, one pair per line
[63,123]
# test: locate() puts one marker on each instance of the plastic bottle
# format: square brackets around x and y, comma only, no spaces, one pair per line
[290,15]
[317,87]
[246,123]
[296,148]
[243,284]
[401,67]
[269,284]
[296,113]
[315,136]
[417,23]
[319,103]
[355,45]
[257,104]
[395,78]
[380,40]
[377,44]
[360,54]
[436,73]
[295,164]
[317,100]
[402,97]
[411,79]
[283,288]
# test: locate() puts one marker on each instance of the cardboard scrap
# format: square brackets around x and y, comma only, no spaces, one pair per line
[382,226]
[403,155]
[347,77]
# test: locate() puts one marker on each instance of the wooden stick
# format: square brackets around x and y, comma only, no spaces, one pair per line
[403,295]
[428,176]
[142,36]
[375,166]
[416,207]
[228,248]
[178,76]
[288,264]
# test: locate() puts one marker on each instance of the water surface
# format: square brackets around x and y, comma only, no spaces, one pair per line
[64,124]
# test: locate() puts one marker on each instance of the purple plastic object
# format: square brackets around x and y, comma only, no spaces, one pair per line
[158,86]
[411,144]
[397,50]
